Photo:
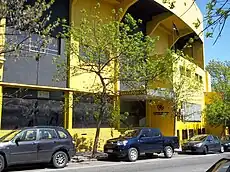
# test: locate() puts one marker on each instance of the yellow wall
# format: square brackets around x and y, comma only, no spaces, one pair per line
[188,16]
[164,122]
[162,44]
[85,137]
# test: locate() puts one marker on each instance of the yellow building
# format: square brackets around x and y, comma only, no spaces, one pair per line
[29,83]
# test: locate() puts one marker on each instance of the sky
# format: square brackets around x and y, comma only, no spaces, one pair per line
[221,50]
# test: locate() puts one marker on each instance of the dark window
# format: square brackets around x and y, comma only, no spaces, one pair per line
[147,133]
[203,131]
[197,77]
[155,133]
[47,134]
[184,134]
[216,138]
[28,135]
[188,73]
[182,70]
[199,131]
[200,79]
[191,133]
[62,134]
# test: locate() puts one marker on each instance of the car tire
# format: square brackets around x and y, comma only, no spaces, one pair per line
[221,149]
[168,151]
[2,163]
[149,155]
[60,159]
[205,150]
[133,154]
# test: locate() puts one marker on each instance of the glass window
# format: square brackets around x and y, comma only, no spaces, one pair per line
[62,135]
[216,138]
[47,134]
[198,138]
[210,138]
[27,135]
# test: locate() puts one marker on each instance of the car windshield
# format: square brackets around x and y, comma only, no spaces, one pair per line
[9,136]
[131,133]
[198,138]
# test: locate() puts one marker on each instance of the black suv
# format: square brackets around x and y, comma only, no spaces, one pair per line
[42,144]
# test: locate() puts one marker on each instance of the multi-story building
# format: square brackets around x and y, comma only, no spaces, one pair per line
[28,88]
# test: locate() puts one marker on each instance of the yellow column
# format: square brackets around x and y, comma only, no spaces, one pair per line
[2,44]
[68,114]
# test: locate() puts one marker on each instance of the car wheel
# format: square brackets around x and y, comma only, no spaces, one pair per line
[205,150]
[221,149]
[168,151]
[2,163]
[60,159]
[149,155]
[133,154]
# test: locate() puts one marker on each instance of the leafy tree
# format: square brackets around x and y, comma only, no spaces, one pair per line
[22,18]
[112,51]
[218,111]
[185,86]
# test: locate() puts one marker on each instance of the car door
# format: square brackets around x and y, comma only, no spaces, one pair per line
[25,151]
[210,143]
[47,142]
[145,140]
[157,140]
[217,143]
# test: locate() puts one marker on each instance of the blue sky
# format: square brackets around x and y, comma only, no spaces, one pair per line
[219,51]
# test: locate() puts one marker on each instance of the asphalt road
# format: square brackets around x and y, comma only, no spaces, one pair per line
[179,163]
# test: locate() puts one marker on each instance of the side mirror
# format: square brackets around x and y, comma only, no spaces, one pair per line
[17,140]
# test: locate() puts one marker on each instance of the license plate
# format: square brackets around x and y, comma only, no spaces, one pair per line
[110,150]
[188,151]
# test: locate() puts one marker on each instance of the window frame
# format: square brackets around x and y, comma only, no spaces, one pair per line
[59,130]
[22,132]
[39,138]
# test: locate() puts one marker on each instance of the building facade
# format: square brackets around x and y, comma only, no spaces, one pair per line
[29,82]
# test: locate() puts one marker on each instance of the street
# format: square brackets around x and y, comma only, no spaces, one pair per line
[190,163]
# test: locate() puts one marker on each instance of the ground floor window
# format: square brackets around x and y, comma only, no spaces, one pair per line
[85,111]
[184,134]
[191,133]
[133,114]
[23,107]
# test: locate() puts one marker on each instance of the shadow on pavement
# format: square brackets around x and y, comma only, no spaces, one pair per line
[142,157]
[28,167]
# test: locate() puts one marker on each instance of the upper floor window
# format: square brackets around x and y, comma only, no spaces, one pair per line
[182,70]
[31,42]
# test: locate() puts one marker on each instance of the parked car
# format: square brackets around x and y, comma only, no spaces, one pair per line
[226,143]
[137,141]
[44,144]
[203,144]
[223,165]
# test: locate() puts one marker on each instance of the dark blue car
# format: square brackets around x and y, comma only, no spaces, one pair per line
[138,141]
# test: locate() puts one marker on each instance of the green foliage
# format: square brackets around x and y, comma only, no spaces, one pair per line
[217,12]
[218,111]
[186,86]
[112,50]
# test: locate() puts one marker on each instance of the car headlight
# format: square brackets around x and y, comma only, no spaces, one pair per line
[119,143]
[198,145]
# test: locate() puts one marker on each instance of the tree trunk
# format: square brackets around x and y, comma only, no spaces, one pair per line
[96,138]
